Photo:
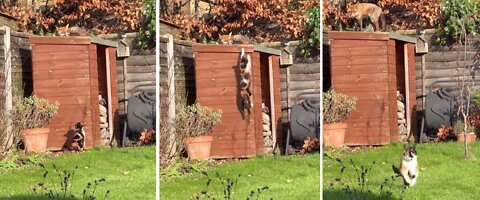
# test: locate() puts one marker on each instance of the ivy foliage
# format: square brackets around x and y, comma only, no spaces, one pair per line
[311,39]
[458,18]
[147,31]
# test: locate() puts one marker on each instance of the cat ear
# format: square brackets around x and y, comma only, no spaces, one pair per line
[230,34]
[67,25]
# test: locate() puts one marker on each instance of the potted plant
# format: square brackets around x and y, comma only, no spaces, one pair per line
[195,122]
[336,108]
[30,115]
[458,130]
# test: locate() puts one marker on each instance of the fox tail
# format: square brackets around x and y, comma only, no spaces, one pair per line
[383,22]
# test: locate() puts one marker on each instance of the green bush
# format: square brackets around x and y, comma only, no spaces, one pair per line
[311,39]
[34,112]
[458,17]
[337,107]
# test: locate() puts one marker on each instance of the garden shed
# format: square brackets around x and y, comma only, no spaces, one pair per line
[217,77]
[76,72]
[379,70]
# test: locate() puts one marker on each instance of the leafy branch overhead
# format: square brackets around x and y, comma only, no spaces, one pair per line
[400,14]
[100,17]
[271,20]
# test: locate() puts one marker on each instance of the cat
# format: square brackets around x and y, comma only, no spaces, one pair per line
[245,74]
[408,169]
[234,39]
[70,31]
[79,136]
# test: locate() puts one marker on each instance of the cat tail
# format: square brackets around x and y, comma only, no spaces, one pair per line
[396,170]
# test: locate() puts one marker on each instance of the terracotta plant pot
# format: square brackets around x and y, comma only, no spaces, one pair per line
[470,138]
[334,134]
[198,148]
[35,140]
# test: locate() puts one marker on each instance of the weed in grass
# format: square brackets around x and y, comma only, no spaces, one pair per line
[61,187]
[229,187]
[362,189]
[18,160]
[181,167]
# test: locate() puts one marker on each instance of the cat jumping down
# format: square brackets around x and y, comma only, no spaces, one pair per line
[245,74]
[408,169]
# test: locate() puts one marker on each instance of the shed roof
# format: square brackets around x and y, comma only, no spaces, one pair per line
[346,35]
[71,40]
[234,48]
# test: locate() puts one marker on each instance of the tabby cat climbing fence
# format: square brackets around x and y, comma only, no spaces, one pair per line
[217,76]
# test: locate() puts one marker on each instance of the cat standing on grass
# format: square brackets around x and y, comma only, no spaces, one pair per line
[408,169]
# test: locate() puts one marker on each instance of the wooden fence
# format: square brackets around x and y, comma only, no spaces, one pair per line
[178,60]
[443,64]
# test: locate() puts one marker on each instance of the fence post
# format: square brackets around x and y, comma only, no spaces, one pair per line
[171,91]
[7,70]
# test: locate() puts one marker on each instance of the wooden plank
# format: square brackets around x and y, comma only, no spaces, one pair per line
[65,91]
[49,40]
[235,144]
[355,35]
[362,87]
[210,63]
[359,78]
[369,131]
[368,115]
[64,55]
[62,83]
[358,60]
[209,74]
[81,100]
[363,123]
[221,48]
[360,69]
[60,64]
[58,48]
[358,43]
[215,82]
[357,51]
[62,74]
[218,91]
[362,140]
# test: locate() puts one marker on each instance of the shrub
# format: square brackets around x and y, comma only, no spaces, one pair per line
[197,120]
[27,113]
[337,107]
[34,112]
[193,120]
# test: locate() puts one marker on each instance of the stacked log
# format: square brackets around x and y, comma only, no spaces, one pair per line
[402,121]
[267,131]
[104,133]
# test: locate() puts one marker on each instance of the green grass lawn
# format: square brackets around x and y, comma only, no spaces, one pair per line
[292,177]
[129,174]
[444,174]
